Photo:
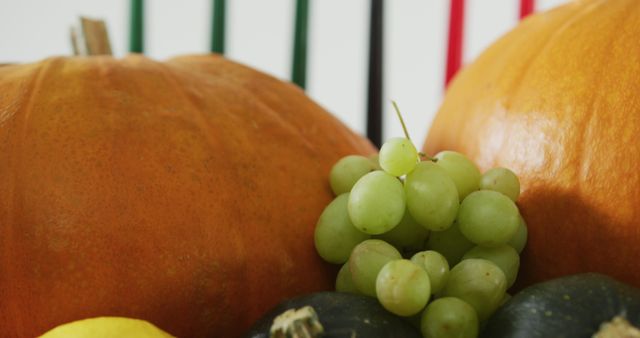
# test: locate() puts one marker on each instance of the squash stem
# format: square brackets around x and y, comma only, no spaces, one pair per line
[616,328]
[297,323]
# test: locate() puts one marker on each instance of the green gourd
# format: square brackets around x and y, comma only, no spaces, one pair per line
[574,306]
[342,315]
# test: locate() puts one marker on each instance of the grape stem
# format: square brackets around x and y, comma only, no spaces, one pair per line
[427,157]
[404,127]
[406,132]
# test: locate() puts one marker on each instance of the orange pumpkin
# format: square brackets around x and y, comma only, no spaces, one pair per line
[557,100]
[184,193]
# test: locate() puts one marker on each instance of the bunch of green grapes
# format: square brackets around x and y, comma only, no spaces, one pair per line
[431,239]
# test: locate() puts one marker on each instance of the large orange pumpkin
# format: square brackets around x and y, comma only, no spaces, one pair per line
[558,101]
[184,193]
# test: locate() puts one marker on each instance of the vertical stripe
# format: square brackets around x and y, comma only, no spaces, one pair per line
[526,7]
[456,35]
[299,68]
[136,29]
[218,26]
[374,93]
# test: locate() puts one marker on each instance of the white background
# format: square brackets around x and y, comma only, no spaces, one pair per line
[260,34]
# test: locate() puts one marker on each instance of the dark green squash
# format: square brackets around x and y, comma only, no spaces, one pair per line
[343,315]
[572,307]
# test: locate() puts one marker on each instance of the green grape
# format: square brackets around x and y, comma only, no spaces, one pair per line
[366,260]
[408,236]
[488,218]
[451,243]
[432,197]
[504,256]
[449,317]
[478,282]
[344,282]
[398,156]
[347,171]
[335,236]
[519,240]
[462,171]
[435,265]
[501,180]
[402,287]
[376,203]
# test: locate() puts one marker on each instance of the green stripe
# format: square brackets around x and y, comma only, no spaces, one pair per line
[136,30]
[299,69]
[218,26]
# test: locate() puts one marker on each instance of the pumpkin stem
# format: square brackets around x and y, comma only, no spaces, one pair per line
[91,38]
[406,132]
[616,328]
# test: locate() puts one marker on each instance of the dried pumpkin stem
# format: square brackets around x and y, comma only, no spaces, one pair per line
[91,38]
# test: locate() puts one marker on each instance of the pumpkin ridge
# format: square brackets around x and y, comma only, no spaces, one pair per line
[555,34]
[198,111]
[565,14]
[592,117]
[517,83]
[258,100]
[116,203]
[120,205]
[289,125]
[16,159]
[197,108]
[185,61]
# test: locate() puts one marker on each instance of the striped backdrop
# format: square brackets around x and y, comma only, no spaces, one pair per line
[421,43]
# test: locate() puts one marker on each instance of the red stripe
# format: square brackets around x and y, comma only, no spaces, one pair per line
[526,7]
[456,30]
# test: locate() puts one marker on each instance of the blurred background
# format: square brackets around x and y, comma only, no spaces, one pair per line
[260,34]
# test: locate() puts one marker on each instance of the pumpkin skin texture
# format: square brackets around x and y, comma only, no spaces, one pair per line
[183,193]
[568,307]
[556,100]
